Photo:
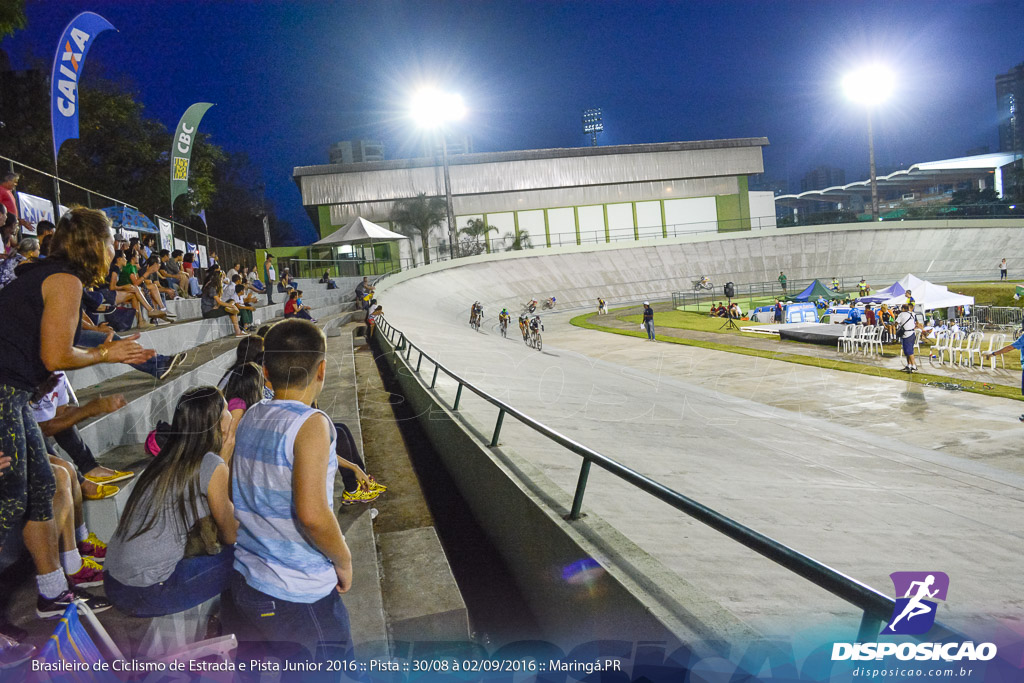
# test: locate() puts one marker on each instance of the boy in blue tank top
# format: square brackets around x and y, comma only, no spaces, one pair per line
[291,560]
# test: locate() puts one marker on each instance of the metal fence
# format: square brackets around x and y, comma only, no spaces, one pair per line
[43,184]
[338,267]
[875,606]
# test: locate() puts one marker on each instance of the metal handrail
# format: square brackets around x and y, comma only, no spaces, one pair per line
[877,607]
[67,182]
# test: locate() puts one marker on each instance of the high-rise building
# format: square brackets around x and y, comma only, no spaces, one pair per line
[1009,100]
[822,177]
[356,151]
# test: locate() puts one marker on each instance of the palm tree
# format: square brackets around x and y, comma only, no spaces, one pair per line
[418,216]
[476,229]
[518,241]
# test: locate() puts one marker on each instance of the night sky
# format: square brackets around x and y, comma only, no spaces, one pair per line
[291,78]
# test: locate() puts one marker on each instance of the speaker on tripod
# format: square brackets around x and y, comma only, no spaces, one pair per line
[730,291]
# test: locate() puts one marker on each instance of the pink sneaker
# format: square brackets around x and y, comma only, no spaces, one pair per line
[93,547]
[91,574]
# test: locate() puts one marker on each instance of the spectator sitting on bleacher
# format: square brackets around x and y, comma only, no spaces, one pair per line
[57,412]
[173,546]
[47,295]
[28,250]
[326,280]
[213,306]
[120,281]
[869,315]
[284,285]
[290,552]
[244,388]
[853,317]
[171,273]
[157,290]
[7,233]
[243,304]
[293,309]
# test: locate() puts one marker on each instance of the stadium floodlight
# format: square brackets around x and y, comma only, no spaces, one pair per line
[592,124]
[432,109]
[870,86]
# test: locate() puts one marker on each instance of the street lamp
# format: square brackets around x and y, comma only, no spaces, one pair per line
[870,86]
[432,109]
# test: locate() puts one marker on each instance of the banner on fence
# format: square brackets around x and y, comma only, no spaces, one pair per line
[180,245]
[166,233]
[34,209]
[201,251]
[67,71]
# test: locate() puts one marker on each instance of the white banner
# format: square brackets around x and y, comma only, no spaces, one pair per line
[201,251]
[179,245]
[34,209]
[166,234]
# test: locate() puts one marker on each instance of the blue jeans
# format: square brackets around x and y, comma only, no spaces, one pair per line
[256,617]
[155,366]
[649,326]
[194,581]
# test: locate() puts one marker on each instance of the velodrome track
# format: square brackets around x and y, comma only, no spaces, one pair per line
[867,475]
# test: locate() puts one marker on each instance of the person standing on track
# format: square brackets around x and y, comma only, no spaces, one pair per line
[649,321]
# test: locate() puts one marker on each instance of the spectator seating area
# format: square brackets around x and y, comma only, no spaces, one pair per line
[118,437]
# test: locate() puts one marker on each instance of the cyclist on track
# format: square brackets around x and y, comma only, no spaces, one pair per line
[476,312]
[549,303]
[503,319]
[524,320]
[536,325]
[704,281]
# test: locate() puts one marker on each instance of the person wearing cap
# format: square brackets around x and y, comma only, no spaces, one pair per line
[649,321]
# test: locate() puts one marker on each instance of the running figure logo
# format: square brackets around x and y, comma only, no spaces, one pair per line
[914,613]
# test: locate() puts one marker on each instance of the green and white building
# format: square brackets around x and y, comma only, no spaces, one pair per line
[558,196]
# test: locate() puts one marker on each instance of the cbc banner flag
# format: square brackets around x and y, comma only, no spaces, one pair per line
[67,72]
[181,148]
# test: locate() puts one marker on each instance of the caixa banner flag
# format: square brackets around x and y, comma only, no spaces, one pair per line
[67,72]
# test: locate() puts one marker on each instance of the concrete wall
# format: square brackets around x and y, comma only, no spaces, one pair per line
[577,275]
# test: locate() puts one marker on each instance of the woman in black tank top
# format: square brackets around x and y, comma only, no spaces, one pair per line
[41,314]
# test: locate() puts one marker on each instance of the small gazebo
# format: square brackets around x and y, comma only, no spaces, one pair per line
[360,232]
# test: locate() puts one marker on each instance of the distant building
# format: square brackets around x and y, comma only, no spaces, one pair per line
[457,144]
[1009,100]
[356,151]
[763,183]
[822,177]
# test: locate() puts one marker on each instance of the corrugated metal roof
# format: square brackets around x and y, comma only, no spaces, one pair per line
[531,154]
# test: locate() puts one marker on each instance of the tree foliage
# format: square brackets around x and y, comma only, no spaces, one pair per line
[12,17]
[476,230]
[417,216]
[517,241]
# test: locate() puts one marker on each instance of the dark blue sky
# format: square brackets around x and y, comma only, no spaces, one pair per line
[290,78]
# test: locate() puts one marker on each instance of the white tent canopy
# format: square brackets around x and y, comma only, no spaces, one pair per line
[358,231]
[927,295]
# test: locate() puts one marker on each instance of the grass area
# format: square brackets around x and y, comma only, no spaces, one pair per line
[997,390]
[988,293]
[688,320]
[746,304]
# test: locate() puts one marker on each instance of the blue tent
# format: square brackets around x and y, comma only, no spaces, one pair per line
[130,219]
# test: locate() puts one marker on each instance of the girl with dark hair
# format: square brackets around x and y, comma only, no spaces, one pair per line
[173,548]
[249,350]
[47,295]
[244,389]
[212,305]
[293,309]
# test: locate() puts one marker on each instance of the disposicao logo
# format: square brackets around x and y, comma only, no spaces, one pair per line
[914,615]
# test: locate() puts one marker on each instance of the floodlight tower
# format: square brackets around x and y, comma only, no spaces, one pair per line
[592,124]
[870,86]
[432,109]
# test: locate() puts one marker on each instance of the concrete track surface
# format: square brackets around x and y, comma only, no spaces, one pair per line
[866,475]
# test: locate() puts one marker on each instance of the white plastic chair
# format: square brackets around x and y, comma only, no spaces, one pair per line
[996,342]
[953,348]
[971,348]
[941,344]
[853,341]
[866,332]
[874,344]
[844,340]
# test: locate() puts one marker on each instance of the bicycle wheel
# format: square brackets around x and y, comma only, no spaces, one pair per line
[540,344]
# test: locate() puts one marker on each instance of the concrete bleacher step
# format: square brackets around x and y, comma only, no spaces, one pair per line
[186,334]
[118,440]
[412,559]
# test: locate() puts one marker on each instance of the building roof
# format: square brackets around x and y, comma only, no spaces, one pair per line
[918,176]
[529,154]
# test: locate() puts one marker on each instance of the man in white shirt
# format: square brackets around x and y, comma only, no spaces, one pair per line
[906,326]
